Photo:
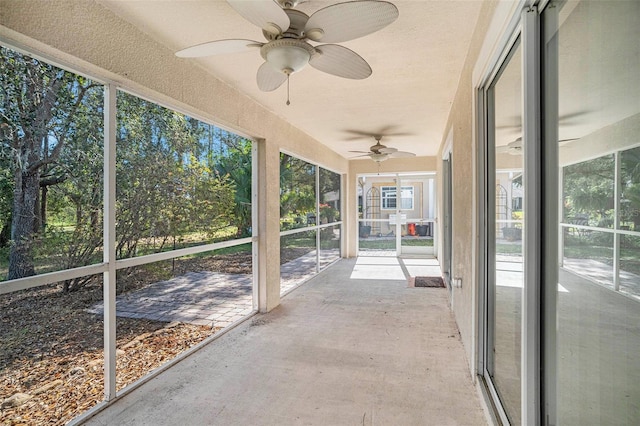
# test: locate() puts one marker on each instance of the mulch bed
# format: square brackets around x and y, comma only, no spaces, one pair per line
[52,350]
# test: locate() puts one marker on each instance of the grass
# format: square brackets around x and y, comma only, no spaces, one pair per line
[508,248]
[390,244]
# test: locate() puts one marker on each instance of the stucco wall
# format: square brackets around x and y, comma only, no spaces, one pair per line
[461,126]
[85,36]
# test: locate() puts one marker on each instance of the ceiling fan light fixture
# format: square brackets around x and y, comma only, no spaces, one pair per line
[378,157]
[287,55]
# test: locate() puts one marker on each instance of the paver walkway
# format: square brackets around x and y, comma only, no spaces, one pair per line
[208,298]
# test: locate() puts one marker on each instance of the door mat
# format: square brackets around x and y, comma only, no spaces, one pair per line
[426,282]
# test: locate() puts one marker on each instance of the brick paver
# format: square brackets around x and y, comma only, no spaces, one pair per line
[207,298]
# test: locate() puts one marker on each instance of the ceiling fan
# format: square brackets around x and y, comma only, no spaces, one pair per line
[388,130]
[515,147]
[380,153]
[288,32]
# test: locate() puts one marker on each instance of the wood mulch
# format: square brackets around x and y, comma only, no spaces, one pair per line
[51,349]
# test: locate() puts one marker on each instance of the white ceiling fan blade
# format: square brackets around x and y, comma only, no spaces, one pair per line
[218,47]
[266,14]
[269,79]
[338,60]
[360,152]
[387,150]
[563,142]
[350,20]
[363,155]
[402,154]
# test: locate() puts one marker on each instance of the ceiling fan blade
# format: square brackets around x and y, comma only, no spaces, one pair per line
[385,131]
[266,14]
[387,150]
[563,119]
[269,79]
[360,152]
[218,47]
[350,20]
[338,60]
[402,154]
[363,155]
[563,142]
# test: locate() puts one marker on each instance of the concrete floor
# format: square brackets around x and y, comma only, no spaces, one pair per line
[337,351]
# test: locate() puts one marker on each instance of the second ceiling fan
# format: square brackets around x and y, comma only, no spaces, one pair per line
[380,153]
[288,32]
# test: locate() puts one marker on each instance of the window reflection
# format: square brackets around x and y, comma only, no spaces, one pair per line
[596,126]
[505,287]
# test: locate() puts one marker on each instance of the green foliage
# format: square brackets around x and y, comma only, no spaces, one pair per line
[589,189]
[297,187]
[164,190]
[235,163]
[630,186]
[45,115]
[179,181]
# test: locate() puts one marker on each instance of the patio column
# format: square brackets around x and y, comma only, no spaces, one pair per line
[350,217]
[268,225]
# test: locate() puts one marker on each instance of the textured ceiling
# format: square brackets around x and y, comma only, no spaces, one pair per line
[416,62]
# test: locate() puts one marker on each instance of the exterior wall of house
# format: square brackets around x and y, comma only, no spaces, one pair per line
[89,38]
[461,124]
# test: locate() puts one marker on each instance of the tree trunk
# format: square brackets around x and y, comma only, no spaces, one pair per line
[37,221]
[5,235]
[22,225]
[43,207]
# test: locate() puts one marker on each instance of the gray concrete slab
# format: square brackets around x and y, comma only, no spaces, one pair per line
[337,351]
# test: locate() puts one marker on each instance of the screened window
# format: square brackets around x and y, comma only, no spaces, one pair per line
[51,123]
[389,197]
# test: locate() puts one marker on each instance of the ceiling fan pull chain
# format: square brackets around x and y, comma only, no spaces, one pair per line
[288,75]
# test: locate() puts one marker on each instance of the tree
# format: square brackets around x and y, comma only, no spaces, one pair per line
[165,188]
[630,185]
[297,186]
[235,162]
[38,105]
[589,189]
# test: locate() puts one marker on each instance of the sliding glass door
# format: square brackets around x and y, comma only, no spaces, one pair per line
[505,214]
[592,111]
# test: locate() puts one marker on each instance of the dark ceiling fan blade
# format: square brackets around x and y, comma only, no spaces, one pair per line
[268,78]
[385,131]
[338,60]
[564,119]
[350,20]
[266,14]
[218,47]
